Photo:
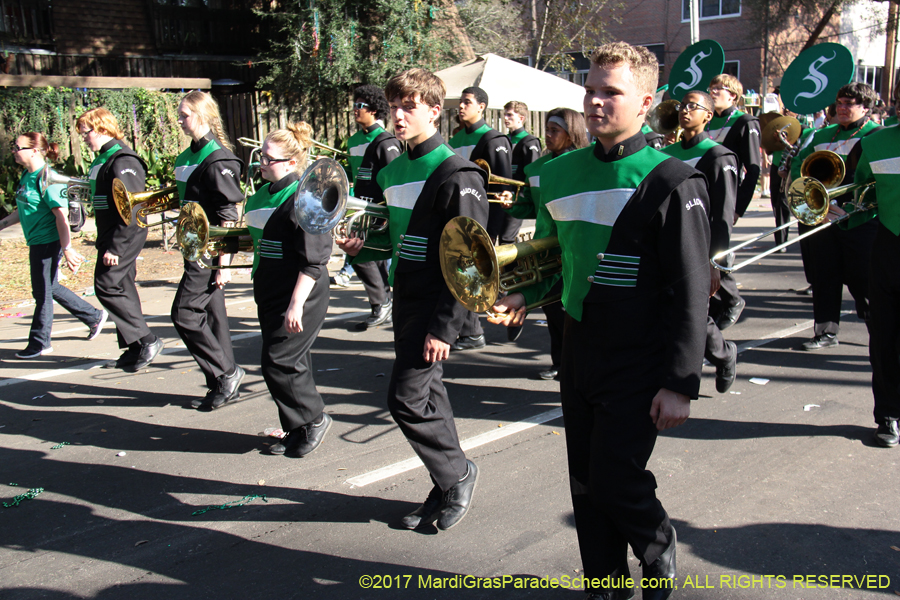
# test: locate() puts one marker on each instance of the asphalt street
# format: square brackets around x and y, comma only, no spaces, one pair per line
[776,488]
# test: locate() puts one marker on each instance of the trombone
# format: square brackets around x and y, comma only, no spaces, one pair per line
[496,179]
[144,204]
[808,200]
[257,146]
[472,266]
[199,240]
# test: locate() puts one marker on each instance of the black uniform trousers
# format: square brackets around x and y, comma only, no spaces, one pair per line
[502,226]
[805,254]
[884,325]
[840,257]
[374,277]
[200,318]
[556,321]
[609,440]
[779,206]
[118,293]
[286,362]
[417,398]
[728,294]
[716,350]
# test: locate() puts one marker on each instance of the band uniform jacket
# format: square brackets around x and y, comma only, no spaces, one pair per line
[739,132]
[122,163]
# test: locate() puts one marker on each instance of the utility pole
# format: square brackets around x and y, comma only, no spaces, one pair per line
[695,21]
[890,54]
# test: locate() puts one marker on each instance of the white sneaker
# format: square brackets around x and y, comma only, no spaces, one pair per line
[26,353]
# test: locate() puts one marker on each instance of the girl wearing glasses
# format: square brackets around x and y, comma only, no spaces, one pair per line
[43,209]
[290,285]
[208,173]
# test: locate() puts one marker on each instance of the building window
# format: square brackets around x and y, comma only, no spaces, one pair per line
[869,74]
[732,67]
[659,50]
[710,9]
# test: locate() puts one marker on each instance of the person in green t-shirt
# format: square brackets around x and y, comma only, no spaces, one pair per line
[40,208]
[290,286]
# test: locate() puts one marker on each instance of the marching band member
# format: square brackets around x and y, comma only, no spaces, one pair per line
[739,132]
[564,132]
[634,235]
[290,285]
[425,188]
[720,167]
[839,256]
[118,244]
[42,210]
[371,149]
[208,173]
[477,140]
[879,161]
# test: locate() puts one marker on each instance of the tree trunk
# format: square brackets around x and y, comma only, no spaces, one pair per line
[823,22]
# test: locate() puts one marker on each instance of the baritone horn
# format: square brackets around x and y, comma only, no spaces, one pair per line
[198,240]
[77,190]
[809,199]
[496,179]
[257,145]
[663,118]
[473,267]
[143,204]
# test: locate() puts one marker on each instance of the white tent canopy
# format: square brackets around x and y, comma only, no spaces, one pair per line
[506,80]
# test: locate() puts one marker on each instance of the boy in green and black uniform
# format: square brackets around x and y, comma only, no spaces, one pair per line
[880,161]
[634,235]
[425,188]
[720,167]
[371,149]
[840,256]
[477,140]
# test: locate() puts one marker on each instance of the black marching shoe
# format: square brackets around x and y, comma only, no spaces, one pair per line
[126,359]
[309,437]
[381,314]
[549,374]
[204,402]
[731,315]
[663,571]
[825,340]
[428,512]
[888,433]
[289,441]
[145,356]
[726,373]
[468,342]
[227,388]
[458,499]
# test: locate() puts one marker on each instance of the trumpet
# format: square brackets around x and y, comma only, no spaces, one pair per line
[143,204]
[484,166]
[198,240]
[808,200]
[77,190]
[472,266]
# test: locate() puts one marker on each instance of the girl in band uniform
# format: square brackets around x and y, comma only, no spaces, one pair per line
[290,285]
[208,173]
[118,244]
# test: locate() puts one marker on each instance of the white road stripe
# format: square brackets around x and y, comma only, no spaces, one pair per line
[172,350]
[472,442]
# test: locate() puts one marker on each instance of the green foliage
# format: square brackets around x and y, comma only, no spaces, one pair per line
[328,46]
[148,119]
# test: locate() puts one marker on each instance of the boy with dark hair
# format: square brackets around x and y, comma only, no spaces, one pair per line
[840,256]
[371,149]
[424,189]
[634,237]
[477,140]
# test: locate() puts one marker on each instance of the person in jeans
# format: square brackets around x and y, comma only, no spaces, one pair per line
[42,209]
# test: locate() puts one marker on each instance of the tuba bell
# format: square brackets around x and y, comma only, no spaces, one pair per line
[663,118]
[143,204]
[473,267]
[199,241]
